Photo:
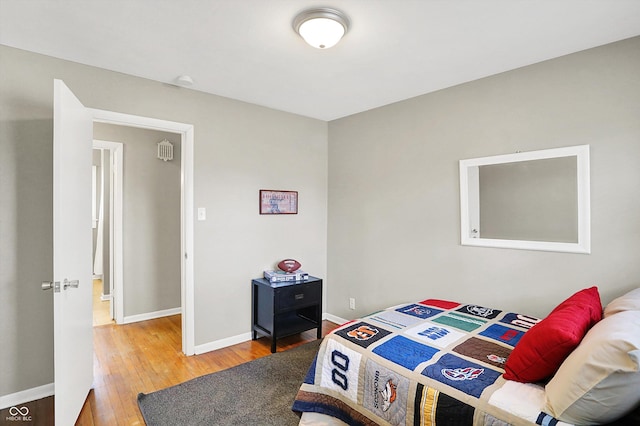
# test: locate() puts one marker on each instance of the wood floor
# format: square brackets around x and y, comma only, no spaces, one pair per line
[146,356]
[101,311]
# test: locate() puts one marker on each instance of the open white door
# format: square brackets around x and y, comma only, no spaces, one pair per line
[72,241]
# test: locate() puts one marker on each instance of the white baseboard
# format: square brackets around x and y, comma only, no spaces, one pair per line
[222,343]
[25,396]
[105,297]
[334,319]
[240,338]
[151,315]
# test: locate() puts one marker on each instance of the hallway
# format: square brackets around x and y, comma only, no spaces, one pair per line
[101,313]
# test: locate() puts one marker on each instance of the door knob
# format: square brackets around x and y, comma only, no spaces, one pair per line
[49,285]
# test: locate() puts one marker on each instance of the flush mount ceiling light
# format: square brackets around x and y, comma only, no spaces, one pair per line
[322,27]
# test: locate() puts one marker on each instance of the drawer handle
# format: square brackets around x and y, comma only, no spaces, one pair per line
[299,296]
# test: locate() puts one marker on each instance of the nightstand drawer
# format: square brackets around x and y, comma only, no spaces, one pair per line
[297,296]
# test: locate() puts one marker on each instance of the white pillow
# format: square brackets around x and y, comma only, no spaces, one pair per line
[599,381]
[626,302]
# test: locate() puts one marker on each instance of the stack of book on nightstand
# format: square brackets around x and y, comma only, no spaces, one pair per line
[281,276]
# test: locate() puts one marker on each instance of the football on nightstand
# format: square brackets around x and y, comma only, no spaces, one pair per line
[289,265]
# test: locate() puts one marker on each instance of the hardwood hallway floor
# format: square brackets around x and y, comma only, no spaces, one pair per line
[146,356]
[101,311]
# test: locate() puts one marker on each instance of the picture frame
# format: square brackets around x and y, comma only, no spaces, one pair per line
[278,202]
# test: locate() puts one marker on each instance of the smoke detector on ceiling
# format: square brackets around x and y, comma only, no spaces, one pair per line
[184,80]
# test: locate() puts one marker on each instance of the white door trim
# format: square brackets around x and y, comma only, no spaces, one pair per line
[186,207]
[116,252]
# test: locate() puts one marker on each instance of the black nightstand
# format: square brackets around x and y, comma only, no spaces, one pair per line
[283,309]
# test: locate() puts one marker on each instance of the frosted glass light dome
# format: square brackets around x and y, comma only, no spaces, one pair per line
[321,28]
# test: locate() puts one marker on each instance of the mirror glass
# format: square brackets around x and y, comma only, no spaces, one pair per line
[536,200]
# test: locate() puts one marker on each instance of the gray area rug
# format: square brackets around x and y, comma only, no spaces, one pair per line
[258,392]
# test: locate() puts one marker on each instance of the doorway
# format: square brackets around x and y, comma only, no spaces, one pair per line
[72,322]
[149,277]
[184,132]
[107,172]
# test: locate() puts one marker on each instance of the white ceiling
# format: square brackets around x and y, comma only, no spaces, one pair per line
[247,50]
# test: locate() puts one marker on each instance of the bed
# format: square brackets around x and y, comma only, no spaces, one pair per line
[440,362]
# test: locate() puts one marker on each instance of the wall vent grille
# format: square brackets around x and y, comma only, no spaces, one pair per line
[165,150]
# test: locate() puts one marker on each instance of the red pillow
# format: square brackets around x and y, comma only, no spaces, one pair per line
[545,346]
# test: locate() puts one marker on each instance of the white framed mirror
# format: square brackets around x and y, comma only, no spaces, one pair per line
[536,200]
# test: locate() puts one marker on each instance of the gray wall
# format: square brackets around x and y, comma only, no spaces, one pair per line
[238,151]
[394,219]
[151,219]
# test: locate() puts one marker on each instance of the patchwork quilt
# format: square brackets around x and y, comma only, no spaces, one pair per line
[434,362]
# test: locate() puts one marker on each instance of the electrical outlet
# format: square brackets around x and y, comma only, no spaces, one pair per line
[352,303]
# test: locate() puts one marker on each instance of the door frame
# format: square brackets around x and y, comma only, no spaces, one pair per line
[116,252]
[186,212]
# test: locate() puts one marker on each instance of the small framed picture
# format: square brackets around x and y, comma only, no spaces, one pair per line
[278,202]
